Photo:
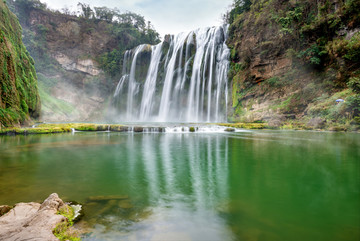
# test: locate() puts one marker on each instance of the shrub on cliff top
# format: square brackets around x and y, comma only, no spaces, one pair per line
[238,7]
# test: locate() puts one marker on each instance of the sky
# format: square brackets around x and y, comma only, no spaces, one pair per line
[167,16]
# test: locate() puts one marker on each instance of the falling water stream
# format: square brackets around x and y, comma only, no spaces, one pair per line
[182,79]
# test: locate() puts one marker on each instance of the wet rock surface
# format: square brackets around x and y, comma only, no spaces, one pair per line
[32,221]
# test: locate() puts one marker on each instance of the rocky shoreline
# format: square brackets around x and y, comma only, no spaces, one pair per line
[227,127]
[73,127]
[50,220]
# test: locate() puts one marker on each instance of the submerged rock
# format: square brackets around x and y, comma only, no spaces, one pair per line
[230,129]
[138,129]
[32,221]
[192,129]
[107,198]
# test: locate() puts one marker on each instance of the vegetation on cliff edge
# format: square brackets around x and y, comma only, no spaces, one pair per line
[19,98]
[291,61]
[126,30]
[80,53]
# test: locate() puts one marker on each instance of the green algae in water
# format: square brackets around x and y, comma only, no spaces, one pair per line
[258,185]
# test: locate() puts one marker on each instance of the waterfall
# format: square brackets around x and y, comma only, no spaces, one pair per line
[182,79]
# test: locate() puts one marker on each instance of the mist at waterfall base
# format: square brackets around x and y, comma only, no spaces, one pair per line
[182,79]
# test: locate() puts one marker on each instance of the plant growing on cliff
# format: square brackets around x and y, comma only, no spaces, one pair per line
[313,55]
[353,49]
[353,105]
[18,86]
[289,21]
[238,7]
[354,84]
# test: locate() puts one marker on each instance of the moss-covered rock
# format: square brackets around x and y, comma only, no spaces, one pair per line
[19,98]
[244,125]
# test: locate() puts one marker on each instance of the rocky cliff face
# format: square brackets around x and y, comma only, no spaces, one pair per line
[19,98]
[72,60]
[72,86]
[291,61]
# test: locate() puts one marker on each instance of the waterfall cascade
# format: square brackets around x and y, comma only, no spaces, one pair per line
[182,79]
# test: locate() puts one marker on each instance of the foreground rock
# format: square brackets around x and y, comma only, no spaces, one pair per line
[32,221]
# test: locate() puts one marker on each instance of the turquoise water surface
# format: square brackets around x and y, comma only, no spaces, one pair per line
[250,185]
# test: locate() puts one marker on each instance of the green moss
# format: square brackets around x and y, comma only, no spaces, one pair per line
[353,48]
[274,82]
[62,231]
[116,128]
[283,105]
[245,125]
[19,99]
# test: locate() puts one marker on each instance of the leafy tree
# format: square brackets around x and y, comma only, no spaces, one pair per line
[127,29]
[104,13]
[29,4]
[238,7]
[87,12]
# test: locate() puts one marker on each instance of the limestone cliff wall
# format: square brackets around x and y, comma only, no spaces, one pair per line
[290,61]
[78,59]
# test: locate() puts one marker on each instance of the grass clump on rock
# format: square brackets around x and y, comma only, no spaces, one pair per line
[245,125]
[63,230]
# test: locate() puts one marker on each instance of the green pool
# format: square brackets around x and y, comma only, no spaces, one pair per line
[251,185]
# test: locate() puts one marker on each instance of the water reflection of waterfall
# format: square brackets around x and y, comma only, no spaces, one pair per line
[199,174]
[182,191]
[184,78]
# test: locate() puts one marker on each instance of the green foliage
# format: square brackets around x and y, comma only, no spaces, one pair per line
[238,7]
[354,84]
[22,8]
[292,16]
[62,128]
[104,13]
[284,105]
[313,55]
[111,62]
[18,86]
[353,104]
[129,33]
[254,125]
[274,82]
[8,117]
[126,29]
[327,108]
[62,230]
[352,11]
[235,68]
[353,48]
[314,38]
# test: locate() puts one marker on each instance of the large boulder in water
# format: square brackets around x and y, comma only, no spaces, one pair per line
[32,221]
